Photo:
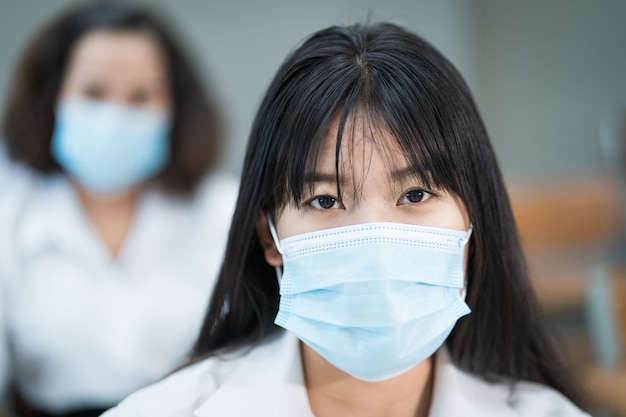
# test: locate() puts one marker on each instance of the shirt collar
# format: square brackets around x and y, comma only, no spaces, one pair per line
[51,219]
[458,393]
[54,221]
[267,382]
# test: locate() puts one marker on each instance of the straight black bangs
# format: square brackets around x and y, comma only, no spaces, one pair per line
[388,87]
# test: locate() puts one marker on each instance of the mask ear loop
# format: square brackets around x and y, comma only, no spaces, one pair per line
[463,242]
[466,239]
[270,223]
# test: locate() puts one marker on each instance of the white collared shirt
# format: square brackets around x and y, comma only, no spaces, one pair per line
[79,328]
[267,381]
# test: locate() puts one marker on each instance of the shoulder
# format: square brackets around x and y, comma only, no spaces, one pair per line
[21,187]
[531,399]
[17,183]
[216,384]
[216,194]
[177,395]
[28,200]
[218,183]
[457,391]
[13,175]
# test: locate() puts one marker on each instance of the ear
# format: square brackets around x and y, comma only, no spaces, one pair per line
[272,256]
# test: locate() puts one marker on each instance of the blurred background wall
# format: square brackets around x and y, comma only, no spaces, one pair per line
[548,70]
[542,71]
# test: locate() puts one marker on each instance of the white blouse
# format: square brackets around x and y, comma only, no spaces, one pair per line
[79,328]
[267,381]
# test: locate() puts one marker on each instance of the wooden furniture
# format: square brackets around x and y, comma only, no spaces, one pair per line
[568,229]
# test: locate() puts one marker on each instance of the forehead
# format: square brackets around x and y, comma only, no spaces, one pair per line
[360,139]
[119,52]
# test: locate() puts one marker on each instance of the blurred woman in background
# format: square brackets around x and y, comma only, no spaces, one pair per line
[113,219]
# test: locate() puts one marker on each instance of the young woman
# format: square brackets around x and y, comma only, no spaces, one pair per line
[373,267]
[113,221]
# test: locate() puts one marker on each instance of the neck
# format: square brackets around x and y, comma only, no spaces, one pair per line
[112,216]
[332,392]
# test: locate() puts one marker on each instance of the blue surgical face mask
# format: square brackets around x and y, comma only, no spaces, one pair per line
[373,299]
[107,147]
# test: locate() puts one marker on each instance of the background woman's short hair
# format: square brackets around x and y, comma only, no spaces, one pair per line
[29,119]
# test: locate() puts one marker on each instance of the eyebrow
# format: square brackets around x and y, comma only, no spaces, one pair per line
[402,173]
[314,177]
[323,177]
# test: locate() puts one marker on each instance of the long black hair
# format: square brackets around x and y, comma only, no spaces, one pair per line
[29,119]
[402,85]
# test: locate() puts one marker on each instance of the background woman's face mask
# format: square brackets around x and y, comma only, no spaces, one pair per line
[107,147]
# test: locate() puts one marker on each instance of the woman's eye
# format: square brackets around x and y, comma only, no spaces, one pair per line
[145,95]
[415,196]
[141,96]
[324,202]
[94,92]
